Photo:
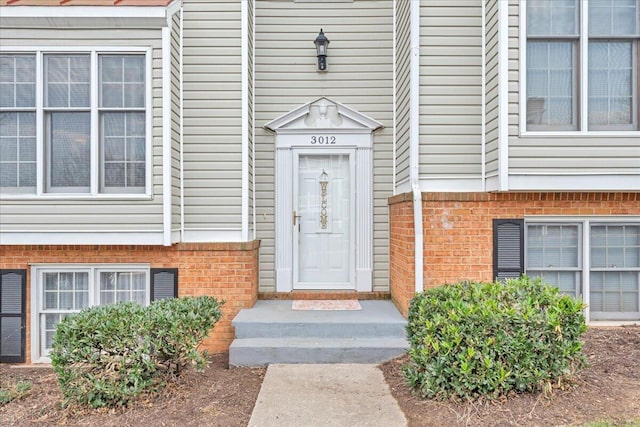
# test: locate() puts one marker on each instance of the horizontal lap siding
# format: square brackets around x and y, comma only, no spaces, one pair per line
[450,89]
[403,90]
[212,115]
[92,215]
[360,75]
[553,155]
[491,88]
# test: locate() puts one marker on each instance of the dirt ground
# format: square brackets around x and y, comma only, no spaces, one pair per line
[609,389]
[216,397]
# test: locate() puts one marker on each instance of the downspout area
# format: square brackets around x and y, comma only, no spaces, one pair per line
[414,143]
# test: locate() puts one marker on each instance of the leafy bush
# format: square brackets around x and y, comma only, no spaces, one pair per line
[485,339]
[108,355]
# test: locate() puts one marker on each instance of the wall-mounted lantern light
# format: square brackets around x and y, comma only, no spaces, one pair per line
[322,44]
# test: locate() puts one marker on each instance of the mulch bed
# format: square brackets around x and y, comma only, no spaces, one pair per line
[216,397]
[607,390]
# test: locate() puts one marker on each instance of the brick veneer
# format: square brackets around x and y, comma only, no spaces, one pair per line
[227,271]
[458,230]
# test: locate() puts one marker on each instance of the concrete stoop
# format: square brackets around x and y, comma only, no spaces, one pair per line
[271,332]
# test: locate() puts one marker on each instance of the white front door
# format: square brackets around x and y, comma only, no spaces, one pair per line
[323,202]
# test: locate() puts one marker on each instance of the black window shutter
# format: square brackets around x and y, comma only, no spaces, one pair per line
[164,283]
[13,307]
[508,248]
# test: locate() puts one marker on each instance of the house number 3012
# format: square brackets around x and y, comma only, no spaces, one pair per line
[323,140]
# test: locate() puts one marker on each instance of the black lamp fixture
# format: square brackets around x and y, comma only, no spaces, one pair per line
[322,43]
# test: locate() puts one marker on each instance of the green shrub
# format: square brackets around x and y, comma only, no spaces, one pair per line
[108,355]
[485,339]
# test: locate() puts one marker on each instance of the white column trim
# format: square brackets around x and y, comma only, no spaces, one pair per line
[503,95]
[483,97]
[414,142]
[284,209]
[244,101]
[395,100]
[166,133]
[181,124]
[364,219]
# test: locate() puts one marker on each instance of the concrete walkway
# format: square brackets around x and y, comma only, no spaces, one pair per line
[326,395]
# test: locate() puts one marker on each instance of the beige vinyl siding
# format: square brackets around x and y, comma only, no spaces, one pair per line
[450,89]
[175,122]
[403,90]
[360,75]
[212,115]
[251,182]
[92,214]
[561,155]
[491,88]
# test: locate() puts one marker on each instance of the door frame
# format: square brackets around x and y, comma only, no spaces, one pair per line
[350,152]
[303,127]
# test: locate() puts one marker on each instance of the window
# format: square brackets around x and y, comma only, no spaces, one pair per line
[93,106]
[17,123]
[606,275]
[615,271]
[59,291]
[582,50]
[553,253]
[63,291]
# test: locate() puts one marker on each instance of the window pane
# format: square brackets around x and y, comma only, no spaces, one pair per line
[123,151]
[610,84]
[67,81]
[17,81]
[553,246]
[550,85]
[122,286]
[613,17]
[551,17]
[122,82]
[615,246]
[69,151]
[614,291]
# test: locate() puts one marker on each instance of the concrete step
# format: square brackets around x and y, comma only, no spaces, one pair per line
[271,332]
[264,351]
[275,319]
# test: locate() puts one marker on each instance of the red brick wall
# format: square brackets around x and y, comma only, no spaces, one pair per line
[402,252]
[227,271]
[458,229]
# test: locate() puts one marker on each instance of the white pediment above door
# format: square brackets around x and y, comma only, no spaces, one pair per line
[323,114]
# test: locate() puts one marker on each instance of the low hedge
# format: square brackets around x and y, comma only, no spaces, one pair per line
[108,355]
[469,340]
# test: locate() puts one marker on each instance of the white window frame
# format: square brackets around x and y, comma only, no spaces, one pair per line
[38,353]
[578,271]
[585,254]
[18,110]
[582,76]
[41,145]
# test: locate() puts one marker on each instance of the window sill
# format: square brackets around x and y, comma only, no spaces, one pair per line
[581,134]
[80,197]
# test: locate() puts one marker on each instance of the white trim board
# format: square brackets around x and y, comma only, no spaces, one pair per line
[607,183]
[93,237]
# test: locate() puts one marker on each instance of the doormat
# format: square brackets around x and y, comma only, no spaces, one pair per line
[326,305]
